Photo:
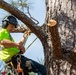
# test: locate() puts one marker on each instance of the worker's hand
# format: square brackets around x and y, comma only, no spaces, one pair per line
[26,33]
[21,48]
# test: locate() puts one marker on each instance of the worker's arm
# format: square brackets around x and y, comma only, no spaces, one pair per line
[27,32]
[9,43]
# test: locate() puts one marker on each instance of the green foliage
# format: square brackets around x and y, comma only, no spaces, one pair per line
[32,73]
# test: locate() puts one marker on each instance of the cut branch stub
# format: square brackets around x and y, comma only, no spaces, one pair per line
[55,38]
[52,23]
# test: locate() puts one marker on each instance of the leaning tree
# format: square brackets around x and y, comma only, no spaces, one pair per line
[58,40]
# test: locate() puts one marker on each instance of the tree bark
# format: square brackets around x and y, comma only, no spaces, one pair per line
[64,12]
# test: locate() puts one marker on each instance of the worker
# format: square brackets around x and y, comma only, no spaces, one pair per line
[11,49]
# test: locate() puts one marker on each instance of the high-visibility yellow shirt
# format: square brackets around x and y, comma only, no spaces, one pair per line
[7,53]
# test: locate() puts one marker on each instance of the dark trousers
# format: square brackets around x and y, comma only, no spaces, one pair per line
[29,65]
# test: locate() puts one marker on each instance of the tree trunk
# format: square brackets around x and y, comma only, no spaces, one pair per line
[64,12]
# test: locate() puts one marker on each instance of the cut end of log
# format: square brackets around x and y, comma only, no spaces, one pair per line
[52,23]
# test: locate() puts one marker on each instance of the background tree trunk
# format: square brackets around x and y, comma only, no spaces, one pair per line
[64,12]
